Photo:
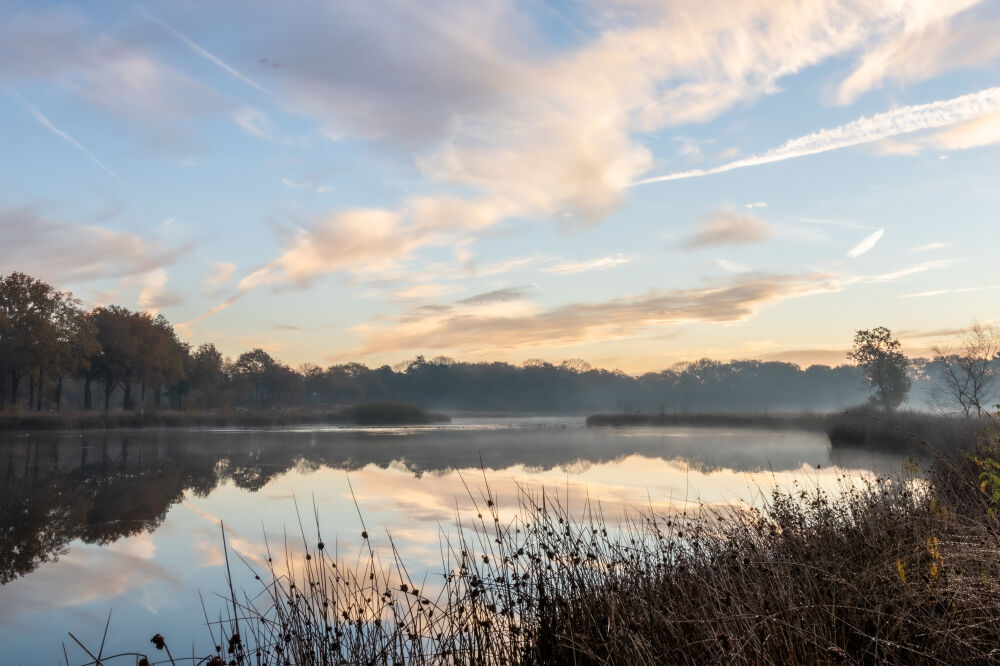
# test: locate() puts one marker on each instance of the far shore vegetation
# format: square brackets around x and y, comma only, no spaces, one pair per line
[366,414]
[56,356]
[62,367]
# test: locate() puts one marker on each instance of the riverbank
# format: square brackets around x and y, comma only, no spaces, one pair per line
[371,414]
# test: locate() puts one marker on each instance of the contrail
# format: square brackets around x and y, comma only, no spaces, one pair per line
[47,124]
[212,58]
[863,130]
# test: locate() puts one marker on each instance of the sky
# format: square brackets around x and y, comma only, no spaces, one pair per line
[633,183]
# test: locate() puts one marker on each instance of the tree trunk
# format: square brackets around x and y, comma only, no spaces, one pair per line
[86,392]
[59,389]
[142,396]
[41,389]
[31,390]
[109,388]
[14,379]
[127,394]
[156,397]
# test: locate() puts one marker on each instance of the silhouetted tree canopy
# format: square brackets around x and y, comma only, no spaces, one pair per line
[136,361]
[878,355]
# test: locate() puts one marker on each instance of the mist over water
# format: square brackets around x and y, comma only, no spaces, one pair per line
[129,521]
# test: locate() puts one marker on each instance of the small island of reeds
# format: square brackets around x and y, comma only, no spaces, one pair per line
[861,427]
[366,414]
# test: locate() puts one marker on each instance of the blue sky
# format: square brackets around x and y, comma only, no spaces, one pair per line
[633,183]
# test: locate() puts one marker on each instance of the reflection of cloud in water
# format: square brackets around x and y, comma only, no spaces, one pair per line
[209,548]
[619,486]
[82,576]
[141,546]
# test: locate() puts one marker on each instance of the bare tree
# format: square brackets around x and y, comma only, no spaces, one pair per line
[970,372]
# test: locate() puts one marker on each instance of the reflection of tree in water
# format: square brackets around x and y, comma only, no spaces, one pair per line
[97,499]
[102,488]
[99,488]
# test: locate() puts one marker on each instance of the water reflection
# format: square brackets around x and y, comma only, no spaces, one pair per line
[100,487]
[129,520]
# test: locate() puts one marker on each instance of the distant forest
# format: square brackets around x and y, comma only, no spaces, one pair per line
[54,355]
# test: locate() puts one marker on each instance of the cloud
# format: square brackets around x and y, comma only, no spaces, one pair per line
[732,266]
[365,242]
[548,129]
[360,240]
[221,274]
[756,204]
[456,330]
[421,292]
[930,246]
[529,129]
[508,265]
[256,122]
[305,185]
[369,240]
[185,327]
[897,148]
[911,270]
[601,263]
[728,227]
[942,292]
[67,253]
[689,148]
[504,295]
[866,244]
[154,294]
[910,334]
[404,90]
[981,131]
[932,41]
[868,129]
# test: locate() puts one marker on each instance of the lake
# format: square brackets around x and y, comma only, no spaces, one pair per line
[128,521]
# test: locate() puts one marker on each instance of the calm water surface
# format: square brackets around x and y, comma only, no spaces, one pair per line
[128,522]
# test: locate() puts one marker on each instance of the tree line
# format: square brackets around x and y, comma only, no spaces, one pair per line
[55,355]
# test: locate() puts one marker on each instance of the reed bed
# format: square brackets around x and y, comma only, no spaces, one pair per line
[902,569]
[378,413]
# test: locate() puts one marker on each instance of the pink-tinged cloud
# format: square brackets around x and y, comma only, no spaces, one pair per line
[67,253]
[728,227]
[462,329]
